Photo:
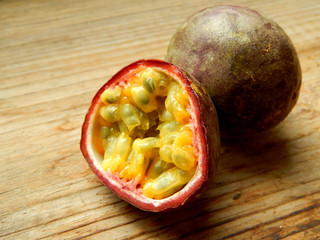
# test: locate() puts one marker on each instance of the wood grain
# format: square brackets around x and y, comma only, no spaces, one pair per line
[54,56]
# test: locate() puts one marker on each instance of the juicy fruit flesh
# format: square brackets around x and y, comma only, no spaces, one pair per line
[143,130]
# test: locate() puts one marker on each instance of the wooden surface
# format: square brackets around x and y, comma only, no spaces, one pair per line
[54,56]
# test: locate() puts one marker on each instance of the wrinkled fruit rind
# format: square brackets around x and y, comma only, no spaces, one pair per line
[207,133]
[245,61]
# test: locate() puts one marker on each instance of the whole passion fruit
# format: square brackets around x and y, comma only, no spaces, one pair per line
[151,135]
[246,62]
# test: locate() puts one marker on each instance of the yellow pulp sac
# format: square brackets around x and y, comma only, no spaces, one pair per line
[143,131]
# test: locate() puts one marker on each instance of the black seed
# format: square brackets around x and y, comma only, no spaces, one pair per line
[149,84]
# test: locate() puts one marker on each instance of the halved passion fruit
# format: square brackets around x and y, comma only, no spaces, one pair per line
[151,135]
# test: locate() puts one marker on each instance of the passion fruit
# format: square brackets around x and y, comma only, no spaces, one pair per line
[245,61]
[151,135]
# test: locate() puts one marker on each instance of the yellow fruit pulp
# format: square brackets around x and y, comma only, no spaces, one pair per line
[143,130]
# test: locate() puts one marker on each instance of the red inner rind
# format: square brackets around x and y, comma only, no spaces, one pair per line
[205,129]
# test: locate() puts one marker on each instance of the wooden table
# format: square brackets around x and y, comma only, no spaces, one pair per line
[54,57]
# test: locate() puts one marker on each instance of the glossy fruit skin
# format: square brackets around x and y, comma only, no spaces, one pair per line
[246,62]
[206,127]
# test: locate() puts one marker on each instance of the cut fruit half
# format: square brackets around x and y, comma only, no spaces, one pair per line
[151,135]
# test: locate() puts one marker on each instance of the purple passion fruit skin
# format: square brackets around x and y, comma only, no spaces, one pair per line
[245,61]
